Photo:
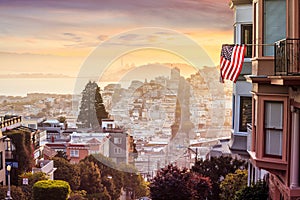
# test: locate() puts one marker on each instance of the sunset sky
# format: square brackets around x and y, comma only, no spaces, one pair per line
[52,36]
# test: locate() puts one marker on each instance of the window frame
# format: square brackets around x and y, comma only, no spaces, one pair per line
[260,131]
[117,150]
[117,140]
[266,129]
[266,48]
[241,113]
[76,155]
[244,28]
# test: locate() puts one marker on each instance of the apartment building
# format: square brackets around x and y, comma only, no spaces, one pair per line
[275,91]
[241,97]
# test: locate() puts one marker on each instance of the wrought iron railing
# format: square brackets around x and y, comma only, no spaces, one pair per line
[287,57]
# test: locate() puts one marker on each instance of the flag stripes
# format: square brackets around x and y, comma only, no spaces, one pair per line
[231,63]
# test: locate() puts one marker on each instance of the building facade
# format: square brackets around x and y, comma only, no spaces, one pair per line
[275,89]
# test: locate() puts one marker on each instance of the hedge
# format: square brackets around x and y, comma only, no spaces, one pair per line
[51,189]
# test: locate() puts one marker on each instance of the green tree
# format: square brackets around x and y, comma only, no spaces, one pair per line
[51,189]
[216,169]
[32,179]
[258,191]
[67,172]
[61,119]
[108,168]
[232,183]
[22,152]
[90,180]
[134,182]
[92,109]
[62,154]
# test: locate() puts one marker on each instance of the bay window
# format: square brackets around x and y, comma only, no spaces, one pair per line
[273,126]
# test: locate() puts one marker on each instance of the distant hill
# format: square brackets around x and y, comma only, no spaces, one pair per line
[34,75]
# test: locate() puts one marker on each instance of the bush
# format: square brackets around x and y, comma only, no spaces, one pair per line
[51,189]
[258,191]
[16,193]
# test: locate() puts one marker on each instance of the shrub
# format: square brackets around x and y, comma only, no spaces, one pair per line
[51,189]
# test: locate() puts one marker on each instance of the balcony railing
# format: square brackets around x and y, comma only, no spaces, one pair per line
[287,57]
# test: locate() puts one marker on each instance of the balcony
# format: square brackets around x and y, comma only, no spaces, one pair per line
[287,57]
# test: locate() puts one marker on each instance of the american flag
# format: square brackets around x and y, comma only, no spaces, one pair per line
[231,63]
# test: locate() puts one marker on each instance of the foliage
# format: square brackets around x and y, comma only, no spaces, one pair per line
[62,119]
[174,183]
[92,109]
[62,154]
[134,182]
[232,183]
[32,179]
[114,177]
[21,139]
[16,192]
[90,179]
[199,186]
[258,191]
[78,195]
[216,169]
[108,168]
[51,189]
[67,172]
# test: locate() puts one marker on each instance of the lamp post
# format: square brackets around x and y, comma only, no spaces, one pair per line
[8,168]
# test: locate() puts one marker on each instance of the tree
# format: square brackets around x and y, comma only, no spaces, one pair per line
[216,169]
[62,154]
[134,182]
[51,189]
[22,152]
[16,193]
[61,119]
[90,180]
[92,109]
[174,183]
[67,172]
[199,186]
[258,191]
[232,183]
[108,168]
[32,179]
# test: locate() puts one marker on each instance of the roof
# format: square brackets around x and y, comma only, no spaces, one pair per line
[52,121]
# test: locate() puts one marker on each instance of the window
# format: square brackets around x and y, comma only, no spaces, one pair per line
[117,150]
[247,38]
[74,153]
[117,140]
[1,160]
[273,128]
[245,113]
[274,23]
[109,126]
[233,110]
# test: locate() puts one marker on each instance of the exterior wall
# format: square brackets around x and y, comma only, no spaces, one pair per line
[284,171]
[242,16]
[118,151]
[2,162]
[83,151]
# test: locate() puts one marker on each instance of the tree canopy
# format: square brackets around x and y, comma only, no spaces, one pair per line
[92,109]
[232,183]
[216,169]
[174,183]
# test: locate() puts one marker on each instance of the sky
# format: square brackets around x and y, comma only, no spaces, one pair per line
[58,36]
